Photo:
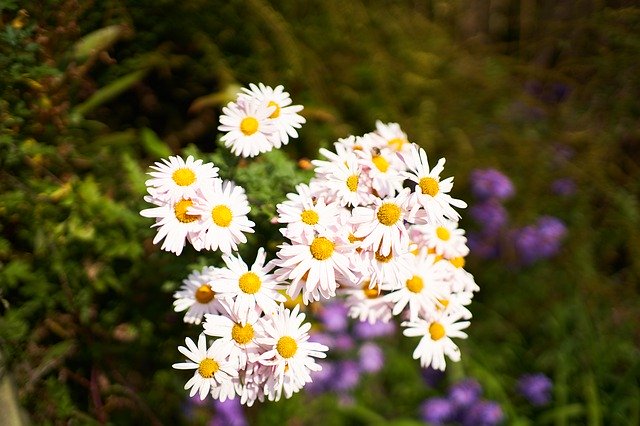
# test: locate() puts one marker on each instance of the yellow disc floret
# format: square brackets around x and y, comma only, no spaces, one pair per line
[415,284]
[383,259]
[221,215]
[397,143]
[436,330]
[249,283]
[443,233]
[321,248]
[429,185]
[242,334]
[286,347]
[249,125]
[389,213]
[458,262]
[180,210]
[276,113]
[309,217]
[380,162]
[369,292]
[183,177]
[204,294]
[207,368]
[352,183]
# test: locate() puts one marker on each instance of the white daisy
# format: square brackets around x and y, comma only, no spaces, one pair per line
[346,181]
[213,367]
[389,272]
[249,384]
[306,215]
[175,225]
[285,116]
[382,224]
[196,296]
[249,288]
[436,339]
[456,304]
[460,279]
[223,216]
[422,291]
[384,167]
[393,136]
[175,178]
[366,303]
[249,130]
[430,193]
[288,349]
[312,264]
[445,238]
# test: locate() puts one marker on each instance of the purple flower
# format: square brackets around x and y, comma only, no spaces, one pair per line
[371,357]
[536,388]
[437,411]
[491,183]
[334,317]
[483,244]
[432,377]
[490,215]
[542,240]
[564,187]
[322,380]
[365,330]
[228,413]
[483,413]
[464,393]
[322,338]
[343,342]
[347,375]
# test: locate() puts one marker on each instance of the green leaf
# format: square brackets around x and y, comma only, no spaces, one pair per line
[98,41]
[153,144]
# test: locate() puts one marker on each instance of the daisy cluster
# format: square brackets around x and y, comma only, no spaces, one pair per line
[377,225]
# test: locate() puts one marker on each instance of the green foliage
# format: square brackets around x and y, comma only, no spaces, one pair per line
[91,94]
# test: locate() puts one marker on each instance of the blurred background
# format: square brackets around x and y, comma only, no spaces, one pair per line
[534,104]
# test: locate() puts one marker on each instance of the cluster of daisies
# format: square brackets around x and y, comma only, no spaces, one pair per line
[375,225]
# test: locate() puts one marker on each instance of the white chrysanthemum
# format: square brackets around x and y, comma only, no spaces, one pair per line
[346,181]
[250,382]
[436,339]
[249,130]
[382,224]
[389,272]
[421,292]
[174,224]
[431,194]
[392,136]
[175,178]
[313,264]
[287,348]
[306,215]
[249,288]
[460,279]
[445,238]
[223,216]
[384,167]
[196,296]
[366,303]
[239,329]
[285,116]
[455,304]
[214,368]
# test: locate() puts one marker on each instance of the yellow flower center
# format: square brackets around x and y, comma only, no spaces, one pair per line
[183,177]
[204,294]
[429,185]
[180,210]
[415,284]
[248,126]
[458,262]
[207,368]
[397,143]
[276,113]
[383,259]
[352,183]
[286,347]
[370,293]
[221,215]
[442,304]
[389,213]
[321,248]
[436,330]
[443,233]
[380,162]
[309,217]
[249,283]
[242,334]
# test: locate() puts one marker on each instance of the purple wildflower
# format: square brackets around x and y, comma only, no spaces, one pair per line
[365,330]
[437,411]
[491,183]
[490,215]
[563,187]
[347,375]
[334,317]
[465,393]
[228,413]
[541,240]
[536,388]
[343,342]
[371,357]
[432,377]
[322,380]
[483,413]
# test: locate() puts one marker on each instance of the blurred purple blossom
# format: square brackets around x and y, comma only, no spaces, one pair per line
[483,244]
[371,357]
[322,380]
[437,411]
[322,338]
[536,388]
[347,375]
[343,342]
[564,187]
[483,413]
[365,330]
[540,240]
[490,215]
[334,317]
[228,413]
[465,392]
[432,377]
[491,183]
